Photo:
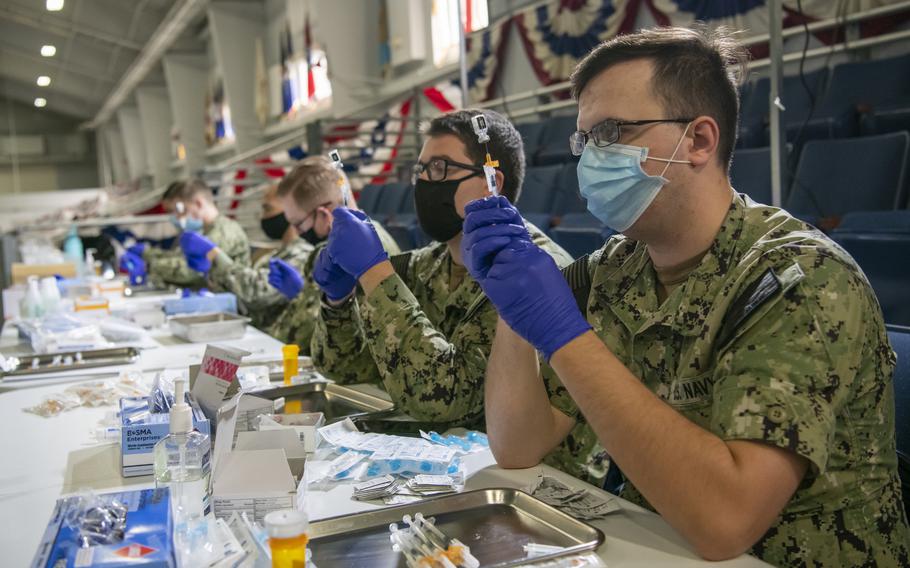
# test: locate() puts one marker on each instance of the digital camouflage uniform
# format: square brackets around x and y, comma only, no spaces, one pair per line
[776,336]
[259,299]
[426,343]
[296,322]
[168,267]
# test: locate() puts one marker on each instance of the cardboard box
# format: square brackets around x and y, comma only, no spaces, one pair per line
[140,430]
[20,272]
[257,477]
[216,374]
[276,440]
[305,425]
[146,540]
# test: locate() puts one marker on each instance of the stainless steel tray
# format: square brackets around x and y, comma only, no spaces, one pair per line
[336,402]
[208,327]
[494,523]
[89,359]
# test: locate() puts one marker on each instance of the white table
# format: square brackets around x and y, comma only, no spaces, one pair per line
[41,458]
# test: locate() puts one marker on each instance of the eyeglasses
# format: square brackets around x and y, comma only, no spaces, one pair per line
[609,131]
[298,226]
[437,169]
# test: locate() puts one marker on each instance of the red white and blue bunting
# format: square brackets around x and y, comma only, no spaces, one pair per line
[558,34]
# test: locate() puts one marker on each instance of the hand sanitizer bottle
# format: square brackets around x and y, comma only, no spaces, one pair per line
[181,461]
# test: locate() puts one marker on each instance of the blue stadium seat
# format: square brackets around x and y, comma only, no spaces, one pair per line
[568,196]
[539,189]
[835,177]
[893,117]
[750,173]
[403,224]
[754,110]
[389,201]
[554,143]
[580,233]
[531,133]
[880,244]
[855,88]
[369,197]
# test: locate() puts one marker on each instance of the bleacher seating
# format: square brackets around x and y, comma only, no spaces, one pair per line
[580,233]
[880,244]
[835,177]
[403,225]
[531,133]
[554,142]
[753,130]
[857,88]
[750,173]
[369,197]
[390,200]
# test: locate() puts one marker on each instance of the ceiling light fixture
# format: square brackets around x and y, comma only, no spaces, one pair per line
[39,102]
[44,81]
[48,50]
[54,5]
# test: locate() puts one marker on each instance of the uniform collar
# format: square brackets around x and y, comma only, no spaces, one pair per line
[630,290]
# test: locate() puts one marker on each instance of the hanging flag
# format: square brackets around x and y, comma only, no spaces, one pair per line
[558,34]
[308,54]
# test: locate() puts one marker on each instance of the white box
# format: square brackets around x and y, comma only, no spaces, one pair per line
[255,481]
[305,425]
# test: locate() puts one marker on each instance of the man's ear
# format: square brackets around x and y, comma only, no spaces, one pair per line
[705,135]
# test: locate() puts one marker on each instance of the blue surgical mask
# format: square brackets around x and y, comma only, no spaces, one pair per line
[618,191]
[190,224]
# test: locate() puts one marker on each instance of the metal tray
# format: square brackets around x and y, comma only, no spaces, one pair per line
[90,359]
[494,523]
[208,327]
[336,402]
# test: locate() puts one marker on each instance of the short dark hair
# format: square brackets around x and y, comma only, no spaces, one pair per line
[186,190]
[505,144]
[313,181]
[696,73]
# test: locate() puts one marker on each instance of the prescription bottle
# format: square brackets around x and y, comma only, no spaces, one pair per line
[287,538]
[290,354]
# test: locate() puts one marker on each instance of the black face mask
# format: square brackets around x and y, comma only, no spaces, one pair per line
[275,226]
[311,237]
[435,204]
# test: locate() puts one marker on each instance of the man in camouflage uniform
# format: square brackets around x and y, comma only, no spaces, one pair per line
[194,211]
[731,359]
[423,328]
[308,195]
[262,301]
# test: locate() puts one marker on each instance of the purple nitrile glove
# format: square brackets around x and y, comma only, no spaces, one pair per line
[138,249]
[285,278]
[135,267]
[524,284]
[353,243]
[490,225]
[194,244]
[331,278]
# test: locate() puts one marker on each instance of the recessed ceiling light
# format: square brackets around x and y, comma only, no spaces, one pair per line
[54,5]
[44,81]
[39,102]
[48,50]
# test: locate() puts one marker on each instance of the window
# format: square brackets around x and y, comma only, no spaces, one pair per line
[444,23]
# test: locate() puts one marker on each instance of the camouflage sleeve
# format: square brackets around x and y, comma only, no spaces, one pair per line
[172,269]
[251,283]
[231,239]
[428,375]
[297,321]
[339,349]
[790,368]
